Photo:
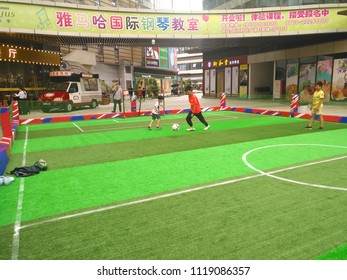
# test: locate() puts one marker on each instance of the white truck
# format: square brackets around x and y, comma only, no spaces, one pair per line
[71,90]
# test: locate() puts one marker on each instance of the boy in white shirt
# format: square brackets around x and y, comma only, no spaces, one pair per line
[156,112]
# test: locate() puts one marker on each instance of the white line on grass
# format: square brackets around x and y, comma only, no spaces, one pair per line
[116,128]
[139,126]
[222,114]
[17,225]
[78,127]
[102,209]
[145,126]
[269,174]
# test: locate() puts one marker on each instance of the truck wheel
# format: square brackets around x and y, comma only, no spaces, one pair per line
[93,104]
[68,107]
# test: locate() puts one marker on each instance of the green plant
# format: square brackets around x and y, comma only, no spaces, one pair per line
[153,87]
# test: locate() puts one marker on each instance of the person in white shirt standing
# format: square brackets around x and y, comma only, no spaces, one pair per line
[117,97]
[156,112]
[22,101]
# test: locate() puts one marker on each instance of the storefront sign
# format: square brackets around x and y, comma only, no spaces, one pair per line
[225,62]
[51,18]
[26,55]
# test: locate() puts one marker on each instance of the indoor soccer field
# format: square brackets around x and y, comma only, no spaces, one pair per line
[253,187]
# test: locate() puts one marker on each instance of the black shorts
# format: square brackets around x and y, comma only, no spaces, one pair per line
[155,116]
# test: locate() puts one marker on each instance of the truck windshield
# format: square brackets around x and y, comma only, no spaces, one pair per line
[61,86]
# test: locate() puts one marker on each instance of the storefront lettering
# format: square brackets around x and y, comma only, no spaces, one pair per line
[115,22]
[222,62]
[12,53]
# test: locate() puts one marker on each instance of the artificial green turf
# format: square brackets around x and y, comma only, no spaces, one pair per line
[339,253]
[79,139]
[248,220]
[145,147]
[69,189]
[88,175]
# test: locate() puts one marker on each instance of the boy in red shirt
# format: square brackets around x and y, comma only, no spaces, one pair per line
[195,110]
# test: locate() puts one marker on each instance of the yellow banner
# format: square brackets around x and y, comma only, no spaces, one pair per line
[45,19]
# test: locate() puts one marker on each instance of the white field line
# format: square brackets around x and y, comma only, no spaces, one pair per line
[215,113]
[78,127]
[102,209]
[143,126]
[17,225]
[269,174]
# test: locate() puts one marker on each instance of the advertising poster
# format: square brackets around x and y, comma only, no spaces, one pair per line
[152,56]
[164,58]
[52,19]
[227,85]
[207,81]
[243,77]
[324,74]
[339,88]
[243,81]
[235,81]
[292,80]
[172,56]
[307,80]
[213,81]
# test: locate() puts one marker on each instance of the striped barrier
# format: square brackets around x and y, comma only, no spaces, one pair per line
[223,99]
[9,122]
[4,157]
[294,105]
[176,111]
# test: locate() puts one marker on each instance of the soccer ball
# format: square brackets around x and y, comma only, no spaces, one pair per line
[6,180]
[41,164]
[175,127]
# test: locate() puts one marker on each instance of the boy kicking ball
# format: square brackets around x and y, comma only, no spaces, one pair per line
[195,110]
[156,112]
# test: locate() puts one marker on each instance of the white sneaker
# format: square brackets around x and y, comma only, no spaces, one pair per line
[207,127]
[190,129]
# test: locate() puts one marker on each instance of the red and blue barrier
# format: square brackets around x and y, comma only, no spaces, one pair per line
[223,99]
[9,123]
[294,105]
[176,111]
